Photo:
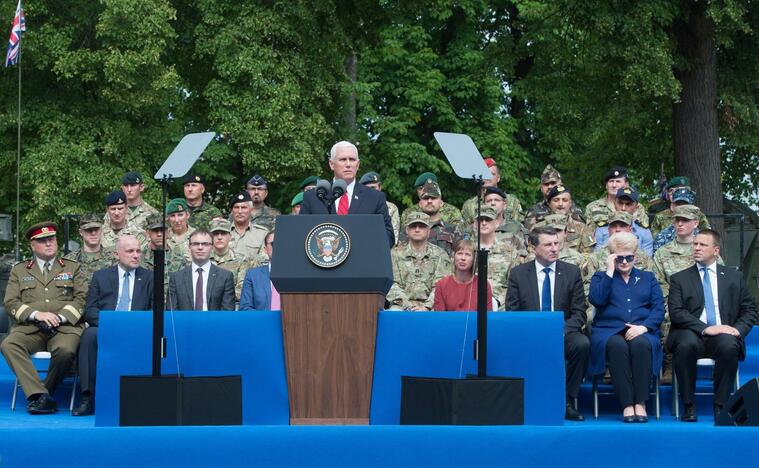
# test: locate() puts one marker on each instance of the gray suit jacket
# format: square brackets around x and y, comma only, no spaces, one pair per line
[220,291]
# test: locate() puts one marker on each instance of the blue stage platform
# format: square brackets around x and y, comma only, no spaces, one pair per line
[62,440]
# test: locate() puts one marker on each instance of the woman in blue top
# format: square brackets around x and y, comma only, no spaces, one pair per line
[625,333]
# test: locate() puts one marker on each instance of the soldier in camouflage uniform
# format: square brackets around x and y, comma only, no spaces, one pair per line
[373,180]
[579,235]
[442,234]
[178,239]
[201,213]
[172,261]
[118,226]
[247,238]
[679,196]
[627,200]
[549,179]
[448,213]
[224,257]
[509,230]
[597,212]
[132,184]
[417,266]
[512,210]
[263,215]
[502,256]
[567,253]
[91,256]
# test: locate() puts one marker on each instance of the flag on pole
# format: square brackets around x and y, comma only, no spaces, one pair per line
[19,26]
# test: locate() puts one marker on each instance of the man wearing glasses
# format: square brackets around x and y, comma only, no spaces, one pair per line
[201,285]
[45,299]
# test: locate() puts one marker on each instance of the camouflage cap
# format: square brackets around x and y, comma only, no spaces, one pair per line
[308,181]
[691,212]
[678,181]
[132,177]
[423,178]
[90,220]
[193,178]
[370,178]
[42,230]
[418,217]
[550,175]
[430,189]
[684,194]
[117,197]
[556,191]
[621,217]
[629,193]
[154,222]
[220,224]
[176,205]
[488,212]
[297,199]
[615,172]
[556,221]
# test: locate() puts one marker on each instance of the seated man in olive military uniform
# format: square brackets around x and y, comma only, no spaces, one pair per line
[45,298]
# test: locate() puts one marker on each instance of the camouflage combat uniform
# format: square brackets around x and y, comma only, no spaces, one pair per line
[180,245]
[172,262]
[415,274]
[110,236]
[579,236]
[512,209]
[448,213]
[265,216]
[442,234]
[502,257]
[235,263]
[597,212]
[201,216]
[540,210]
[395,219]
[90,262]
[666,218]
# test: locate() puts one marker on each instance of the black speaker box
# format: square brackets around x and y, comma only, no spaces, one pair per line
[742,409]
[180,401]
[489,401]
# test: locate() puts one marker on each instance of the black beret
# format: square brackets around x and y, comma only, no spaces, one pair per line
[117,197]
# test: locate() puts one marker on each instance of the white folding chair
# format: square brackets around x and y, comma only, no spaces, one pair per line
[44,357]
[703,362]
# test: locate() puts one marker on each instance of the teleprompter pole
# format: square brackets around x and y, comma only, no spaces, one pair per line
[159,266]
[481,344]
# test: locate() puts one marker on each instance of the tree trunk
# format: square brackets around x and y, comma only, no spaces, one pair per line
[349,108]
[694,126]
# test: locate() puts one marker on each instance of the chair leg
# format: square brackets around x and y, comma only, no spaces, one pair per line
[595,397]
[656,390]
[15,393]
[675,397]
[73,392]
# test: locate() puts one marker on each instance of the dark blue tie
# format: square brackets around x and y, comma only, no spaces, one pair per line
[711,314]
[546,294]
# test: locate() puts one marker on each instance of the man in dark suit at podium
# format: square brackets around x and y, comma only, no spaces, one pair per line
[126,286]
[712,312]
[549,284]
[358,199]
[201,285]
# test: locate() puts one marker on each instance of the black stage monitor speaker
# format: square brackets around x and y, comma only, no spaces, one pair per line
[180,401]
[742,409]
[488,401]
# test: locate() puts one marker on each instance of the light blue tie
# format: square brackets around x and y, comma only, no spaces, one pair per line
[123,303]
[546,294]
[711,314]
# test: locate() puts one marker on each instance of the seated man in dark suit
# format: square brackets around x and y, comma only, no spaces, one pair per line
[258,293]
[126,286]
[550,284]
[358,199]
[711,312]
[201,285]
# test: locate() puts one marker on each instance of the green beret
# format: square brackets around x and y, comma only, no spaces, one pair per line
[310,180]
[176,205]
[678,181]
[297,199]
[423,178]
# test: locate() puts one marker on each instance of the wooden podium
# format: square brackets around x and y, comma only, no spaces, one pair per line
[329,317]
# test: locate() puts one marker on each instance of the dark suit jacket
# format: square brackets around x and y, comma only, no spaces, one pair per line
[365,201]
[686,300]
[220,290]
[568,294]
[104,292]
[256,290]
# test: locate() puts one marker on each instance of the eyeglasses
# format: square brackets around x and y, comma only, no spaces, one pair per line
[200,244]
[624,258]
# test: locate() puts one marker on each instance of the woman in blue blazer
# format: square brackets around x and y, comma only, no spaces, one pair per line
[625,333]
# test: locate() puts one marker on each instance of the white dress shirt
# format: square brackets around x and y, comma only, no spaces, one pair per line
[349,191]
[541,277]
[132,279]
[713,282]
[206,272]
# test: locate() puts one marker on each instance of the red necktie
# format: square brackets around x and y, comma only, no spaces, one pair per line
[342,206]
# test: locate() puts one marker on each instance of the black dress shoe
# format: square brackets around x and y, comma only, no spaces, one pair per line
[86,407]
[641,419]
[690,413]
[717,410]
[629,419]
[572,414]
[43,404]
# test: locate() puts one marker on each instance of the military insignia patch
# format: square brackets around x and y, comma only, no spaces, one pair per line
[64,276]
[328,245]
